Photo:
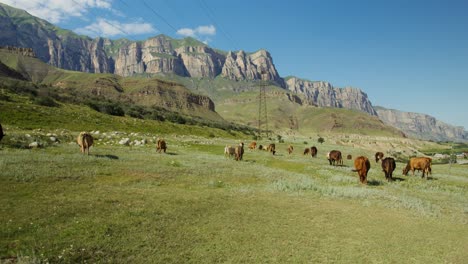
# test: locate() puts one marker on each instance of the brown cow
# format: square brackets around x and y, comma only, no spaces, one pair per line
[306,151]
[362,166]
[1,132]
[271,148]
[313,151]
[229,151]
[290,149]
[253,145]
[349,157]
[378,156]
[161,145]
[418,163]
[261,147]
[239,151]
[85,140]
[334,156]
[388,166]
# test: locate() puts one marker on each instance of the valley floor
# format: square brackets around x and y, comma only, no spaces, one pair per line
[193,205]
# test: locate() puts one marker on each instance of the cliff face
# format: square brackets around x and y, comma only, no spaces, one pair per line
[255,66]
[325,95]
[161,54]
[422,126]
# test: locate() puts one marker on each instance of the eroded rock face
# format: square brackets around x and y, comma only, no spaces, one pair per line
[422,126]
[324,94]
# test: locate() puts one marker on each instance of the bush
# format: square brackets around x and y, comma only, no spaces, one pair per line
[45,101]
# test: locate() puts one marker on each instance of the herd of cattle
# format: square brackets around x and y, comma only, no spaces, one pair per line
[361,163]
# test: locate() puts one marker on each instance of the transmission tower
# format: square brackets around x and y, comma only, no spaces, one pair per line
[262,108]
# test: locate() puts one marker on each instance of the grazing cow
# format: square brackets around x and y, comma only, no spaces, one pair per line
[161,145]
[239,151]
[334,157]
[418,163]
[313,151]
[1,132]
[85,140]
[306,151]
[253,145]
[290,149]
[261,147]
[388,166]
[349,157]
[271,148]
[378,156]
[229,151]
[362,166]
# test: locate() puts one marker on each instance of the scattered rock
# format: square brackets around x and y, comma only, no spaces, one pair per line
[53,139]
[124,141]
[34,144]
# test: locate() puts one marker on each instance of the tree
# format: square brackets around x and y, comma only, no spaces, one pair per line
[321,140]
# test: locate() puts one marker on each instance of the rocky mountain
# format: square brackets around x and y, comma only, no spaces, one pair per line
[324,94]
[421,125]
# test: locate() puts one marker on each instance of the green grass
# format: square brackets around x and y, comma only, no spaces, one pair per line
[193,205]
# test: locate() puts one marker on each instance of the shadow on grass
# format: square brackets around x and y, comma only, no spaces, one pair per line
[171,153]
[114,157]
[374,183]
[398,179]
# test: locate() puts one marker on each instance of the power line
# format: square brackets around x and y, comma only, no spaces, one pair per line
[158,15]
[211,15]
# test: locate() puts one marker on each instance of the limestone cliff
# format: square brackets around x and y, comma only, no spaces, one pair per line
[422,126]
[324,94]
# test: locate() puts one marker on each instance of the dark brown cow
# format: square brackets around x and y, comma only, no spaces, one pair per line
[239,151]
[313,151]
[1,132]
[306,151]
[261,147]
[418,163]
[378,156]
[290,149]
[161,145]
[362,166]
[271,148]
[334,157]
[253,145]
[388,166]
[349,157]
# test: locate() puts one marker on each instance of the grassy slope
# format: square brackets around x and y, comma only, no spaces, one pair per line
[192,205]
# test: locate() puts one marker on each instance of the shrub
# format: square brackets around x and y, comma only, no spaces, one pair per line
[45,101]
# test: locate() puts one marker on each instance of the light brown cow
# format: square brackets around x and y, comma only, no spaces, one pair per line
[334,157]
[161,145]
[418,163]
[362,166]
[378,156]
[253,145]
[85,140]
[290,149]
[388,166]
[239,151]
[229,151]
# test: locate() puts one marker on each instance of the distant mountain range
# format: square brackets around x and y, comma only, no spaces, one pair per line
[162,55]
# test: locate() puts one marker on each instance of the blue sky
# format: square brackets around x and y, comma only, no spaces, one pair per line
[409,55]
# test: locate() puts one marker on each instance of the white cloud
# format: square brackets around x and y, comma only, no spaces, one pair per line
[56,11]
[110,28]
[186,32]
[200,32]
[206,30]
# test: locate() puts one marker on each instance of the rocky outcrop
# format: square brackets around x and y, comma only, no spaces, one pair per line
[256,66]
[422,126]
[325,95]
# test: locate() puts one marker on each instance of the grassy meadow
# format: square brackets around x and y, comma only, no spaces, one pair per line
[130,204]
